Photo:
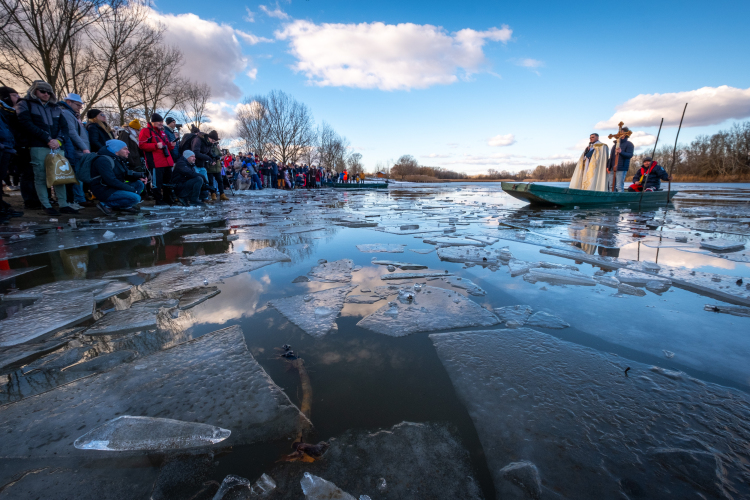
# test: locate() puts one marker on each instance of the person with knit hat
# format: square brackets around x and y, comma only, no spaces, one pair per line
[129,135]
[77,146]
[188,183]
[115,186]
[98,128]
[45,129]
[155,146]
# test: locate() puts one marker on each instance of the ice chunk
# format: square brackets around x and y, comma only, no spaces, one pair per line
[103,362]
[465,284]
[108,235]
[381,248]
[301,279]
[561,391]
[12,358]
[401,265]
[543,319]
[112,289]
[422,251]
[202,237]
[141,316]
[235,487]
[561,276]
[518,313]
[147,433]
[269,253]
[636,278]
[523,475]
[57,287]
[194,297]
[468,254]
[658,286]
[316,488]
[743,312]
[626,289]
[720,245]
[46,316]
[409,276]
[154,270]
[316,312]
[362,299]
[9,274]
[487,240]
[453,242]
[518,267]
[339,271]
[609,281]
[180,383]
[431,309]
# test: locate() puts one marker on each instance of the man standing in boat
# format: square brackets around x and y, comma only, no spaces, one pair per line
[591,172]
[622,155]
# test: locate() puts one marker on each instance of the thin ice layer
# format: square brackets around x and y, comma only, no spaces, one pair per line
[476,255]
[453,242]
[182,383]
[57,287]
[409,276]
[561,276]
[592,431]
[46,316]
[148,433]
[269,253]
[140,316]
[314,312]
[338,271]
[381,248]
[400,265]
[519,313]
[429,310]
[464,284]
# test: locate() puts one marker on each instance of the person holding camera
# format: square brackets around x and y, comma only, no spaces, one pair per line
[173,134]
[156,148]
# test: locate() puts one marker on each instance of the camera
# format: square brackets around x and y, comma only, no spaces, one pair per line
[178,126]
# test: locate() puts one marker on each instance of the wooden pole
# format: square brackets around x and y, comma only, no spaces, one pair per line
[645,177]
[674,153]
[614,167]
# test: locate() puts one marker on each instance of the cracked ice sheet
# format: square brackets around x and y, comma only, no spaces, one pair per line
[187,382]
[314,312]
[381,248]
[430,310]
[406,455]
[591,431]
[57,287]
[46,316]
[338,271]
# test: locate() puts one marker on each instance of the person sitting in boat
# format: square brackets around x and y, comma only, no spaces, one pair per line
[653,174]
[591,172]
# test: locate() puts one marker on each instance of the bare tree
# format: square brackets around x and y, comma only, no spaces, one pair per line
[37,35]
[156,85]
[354,164]
[406,165]
[253,126]
[290,126]
[193,107]
[332,148]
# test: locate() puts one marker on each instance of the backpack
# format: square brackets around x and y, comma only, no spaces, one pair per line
[83,172]
[185,142]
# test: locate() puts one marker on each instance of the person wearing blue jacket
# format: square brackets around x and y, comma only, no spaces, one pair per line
[112,182]
[623,154]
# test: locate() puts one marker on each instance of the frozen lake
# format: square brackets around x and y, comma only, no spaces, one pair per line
[386,325]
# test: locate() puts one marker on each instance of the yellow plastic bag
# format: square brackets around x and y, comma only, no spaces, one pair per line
[58,169]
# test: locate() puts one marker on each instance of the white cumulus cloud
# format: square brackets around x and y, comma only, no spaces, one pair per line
[277,12]
[213,53]
[386,56]
[706,106]
[502,140]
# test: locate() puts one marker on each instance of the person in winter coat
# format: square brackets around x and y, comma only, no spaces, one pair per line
[653,173]
[172,136]
[77,146]
[129,135]
[98,129]
[44,127]
[115,186]
[187,183]
[155,146]
[624,153]
[214,166]
[7,150]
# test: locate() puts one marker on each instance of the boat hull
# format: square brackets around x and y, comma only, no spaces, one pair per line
[372,185]
[539,194]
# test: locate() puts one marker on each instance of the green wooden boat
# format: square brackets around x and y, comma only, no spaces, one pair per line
[539,194]
[364,185]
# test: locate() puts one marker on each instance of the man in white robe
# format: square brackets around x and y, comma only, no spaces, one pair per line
[591,172]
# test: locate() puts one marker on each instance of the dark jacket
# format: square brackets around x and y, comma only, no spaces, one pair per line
[624,157]
[98,137]
[134,158]
[39,122]
[77,132]
[8,114]
[172,138]
[214,165]
[202,149]
[183,172]
[656,175]
[109,175]
[7,140]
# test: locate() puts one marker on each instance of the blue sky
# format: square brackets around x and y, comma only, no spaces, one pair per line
[439,80]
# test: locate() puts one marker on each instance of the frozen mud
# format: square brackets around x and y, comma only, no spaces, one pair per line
[408,460]
[46,316]
[128,433]
[339,271]
[429,310]
[181,383]
[314,312]
[591,429]
[381,248]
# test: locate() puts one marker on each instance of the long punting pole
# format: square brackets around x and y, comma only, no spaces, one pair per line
[674,153]
[645,178]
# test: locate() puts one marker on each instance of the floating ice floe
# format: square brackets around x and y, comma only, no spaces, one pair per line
[362,299]
[339,271]
[127,433]
[486,240]
[269,253]
[561,276]
[720,245]
[453,242]
[315,312]
[401,265]
[676,437]
[381,248]
[154,270]
[142,315]
[637,278]
[317,488]
[46,316]
[194,297]
[409,276]
[12,358]
[422,251]
[429,310]
[180,383]
[235,488]
[625,289]
[102,362]
[476,255]
[464,284]
[519,313]
[57,288]
[112,289]
[543,319]
[743,312]
[658,286]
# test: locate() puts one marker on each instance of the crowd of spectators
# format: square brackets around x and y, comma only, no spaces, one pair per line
[117,167]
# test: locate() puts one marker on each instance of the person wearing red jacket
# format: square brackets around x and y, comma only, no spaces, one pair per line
[156,147]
